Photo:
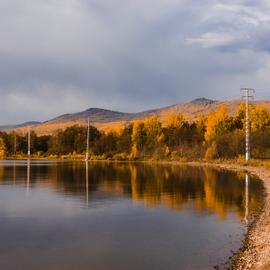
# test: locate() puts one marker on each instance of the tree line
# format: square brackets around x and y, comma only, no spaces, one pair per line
[216,135]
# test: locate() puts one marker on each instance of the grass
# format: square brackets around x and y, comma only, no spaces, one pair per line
[125,157]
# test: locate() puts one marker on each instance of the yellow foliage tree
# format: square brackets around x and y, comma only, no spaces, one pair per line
[259,118]
[175,121]
[138,137]
[177,130]
[201,127]
[217,123]
[153,131]
[2,148]
[201,120]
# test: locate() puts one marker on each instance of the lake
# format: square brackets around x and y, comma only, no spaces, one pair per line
[119,216]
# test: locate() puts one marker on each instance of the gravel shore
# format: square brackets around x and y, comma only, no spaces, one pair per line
[255,253]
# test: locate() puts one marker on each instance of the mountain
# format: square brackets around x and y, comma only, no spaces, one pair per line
[23,125]
[94,115]
[107,119]
[204,101]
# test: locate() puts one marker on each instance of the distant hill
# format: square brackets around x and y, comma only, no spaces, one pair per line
[94,115]
[107,119]
[23,125]
[201,101]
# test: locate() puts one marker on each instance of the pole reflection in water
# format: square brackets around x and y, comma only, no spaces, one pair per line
[247,198]
[28,175]
[86,182]
[14,172]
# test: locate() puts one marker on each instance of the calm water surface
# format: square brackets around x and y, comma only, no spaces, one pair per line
[104,216]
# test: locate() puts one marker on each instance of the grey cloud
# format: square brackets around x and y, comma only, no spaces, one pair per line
[59,56]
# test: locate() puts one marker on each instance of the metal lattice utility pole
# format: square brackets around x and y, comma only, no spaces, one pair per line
[29,143]
[87,142]
[247,94]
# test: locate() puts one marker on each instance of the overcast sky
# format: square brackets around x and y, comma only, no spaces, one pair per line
[60,56]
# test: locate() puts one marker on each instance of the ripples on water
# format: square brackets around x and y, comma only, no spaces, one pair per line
[66,215]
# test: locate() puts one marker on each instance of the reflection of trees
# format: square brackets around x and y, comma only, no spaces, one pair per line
[224,190]
[166,184]
[1,172]
[173,186]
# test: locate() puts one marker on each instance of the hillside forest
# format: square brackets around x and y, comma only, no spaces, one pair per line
[218,135]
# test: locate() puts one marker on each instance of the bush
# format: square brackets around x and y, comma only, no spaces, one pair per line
[120,157]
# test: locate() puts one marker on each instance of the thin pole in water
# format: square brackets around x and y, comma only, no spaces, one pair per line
[247,94]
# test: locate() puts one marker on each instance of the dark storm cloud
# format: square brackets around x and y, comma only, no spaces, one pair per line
[60,56]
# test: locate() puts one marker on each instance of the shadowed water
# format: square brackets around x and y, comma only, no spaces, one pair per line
[69,215]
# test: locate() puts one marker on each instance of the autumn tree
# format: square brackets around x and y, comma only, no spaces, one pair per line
[138,137]
[259,118]
[7,141]
[125,139]
[2,148]
[200,126]
[153,131]
[72,139]
[218,123]
[177,130]
[260,132]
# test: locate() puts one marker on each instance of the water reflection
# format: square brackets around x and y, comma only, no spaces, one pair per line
[121,216]
[172,186]
[28,176]
[87,182]
[246,198]
[14,172]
